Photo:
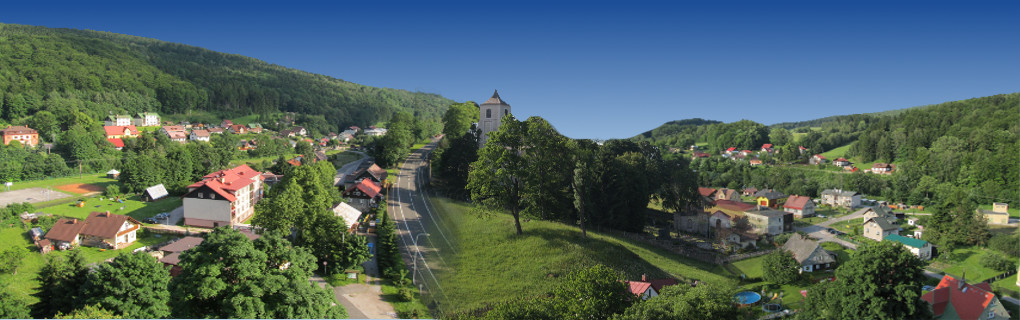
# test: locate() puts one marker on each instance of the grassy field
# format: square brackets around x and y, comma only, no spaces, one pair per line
[509,265]
[750,267]
[836,153]
[132,207]
[24,283]
[403,309]
[345,157]
[842,254]
[847,226]
[969,260]
[92,178]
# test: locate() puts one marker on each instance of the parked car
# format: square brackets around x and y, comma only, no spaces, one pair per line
[150,220]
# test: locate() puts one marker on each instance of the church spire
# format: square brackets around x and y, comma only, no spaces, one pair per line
[496,99]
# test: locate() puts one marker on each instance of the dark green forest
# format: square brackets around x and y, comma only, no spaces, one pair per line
[64,70]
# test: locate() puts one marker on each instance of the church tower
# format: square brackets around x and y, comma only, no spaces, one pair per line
[492,111]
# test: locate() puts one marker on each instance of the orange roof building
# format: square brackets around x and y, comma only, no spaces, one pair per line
[224,197]
[956,299]
[24,135]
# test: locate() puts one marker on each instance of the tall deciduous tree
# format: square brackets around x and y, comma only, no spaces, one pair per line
[779,267]
[881,281]
[60,280]
[12,306]
[592,293]
[133,286]
[458,119]
[682,302]
[548,161]
[497,178]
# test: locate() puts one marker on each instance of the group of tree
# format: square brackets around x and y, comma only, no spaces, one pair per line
[227,276]
[598,292]
[880,281]
[387,250]
[301,205]
[153,159]
[98,72]
[452,158]
[403,131]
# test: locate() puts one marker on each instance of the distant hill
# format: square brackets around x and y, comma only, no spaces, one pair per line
[101,72]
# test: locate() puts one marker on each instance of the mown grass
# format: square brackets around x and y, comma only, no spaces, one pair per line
[493,264]
[403,308]
[91,178]
[25,282]
[132,207]
[967,260]
[750,267]
[345,157]
[838,152]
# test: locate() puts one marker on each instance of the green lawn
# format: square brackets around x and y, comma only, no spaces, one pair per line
[493,264]
[404,309]
[245,120]
[345,158]
[969,260]
[132,207]
[24,283]
[249,161]
[1008,283]
[836,153]
[847,226]
[1013,212]
[750,267]
[91,178]
[842,254]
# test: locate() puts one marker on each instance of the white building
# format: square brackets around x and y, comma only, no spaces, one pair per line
[199,135]
[223,198]
[920,248]
[118,120]
[492,111]
[147,119]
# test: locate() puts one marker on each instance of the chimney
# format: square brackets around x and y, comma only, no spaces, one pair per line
[75,220]
[963,280]
[644,277]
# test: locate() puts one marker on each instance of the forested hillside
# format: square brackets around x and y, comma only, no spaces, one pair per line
[60,70]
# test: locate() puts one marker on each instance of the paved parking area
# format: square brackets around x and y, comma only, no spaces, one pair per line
[30,195]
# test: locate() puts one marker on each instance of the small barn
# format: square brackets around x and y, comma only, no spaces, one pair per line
[36,233]
[113,174]
[154,193]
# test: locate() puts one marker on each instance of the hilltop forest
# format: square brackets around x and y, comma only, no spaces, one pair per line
[64,70]
[953,155]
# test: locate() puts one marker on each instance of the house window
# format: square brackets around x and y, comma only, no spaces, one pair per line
[488,113]
[201,195]
[212,196]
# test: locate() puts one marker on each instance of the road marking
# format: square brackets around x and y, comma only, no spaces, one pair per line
[407,228]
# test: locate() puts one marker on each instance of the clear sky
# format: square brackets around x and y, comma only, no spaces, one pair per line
[606,69]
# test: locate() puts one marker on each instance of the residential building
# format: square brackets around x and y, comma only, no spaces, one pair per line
[802,149]
[998,215]
[765,220]
[878,228]
[799,206]
[768,198]
[376,132]
[754,162]
[113,174]
[767,148]
[116,132]
[200,135]
[841,198]
[101,229]
[146,119]
[727,194]
[920,248]
[22,134]
[491,112]
[363,195]
[300,131]
[720,220]
[817,159]
[809,254]
[154,193]
[255,127]
[841,162]
[238,129]
[226,123]
[177,136]
[649,288]
[118,120]
[879,211]
[215,130]
[173,128]
[225,197]
[882,168]
[118,143]
[172,252]
[956,299]
[749,191]
[368,170]
[349,214]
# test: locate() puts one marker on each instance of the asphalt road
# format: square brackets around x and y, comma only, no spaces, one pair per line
[418,225]
[819,232]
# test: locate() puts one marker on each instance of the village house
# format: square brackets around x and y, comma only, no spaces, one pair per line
[817,159]
[299,131]
[286,133]
[172,128]
[768,198]
[154,193]
[118,143]
[841,198]
[879,211]
[956,299]
[363,195]
[754,162]
[118,120]
[799,206]
[22,134]
[920,248]
[698,154]
[727,194]
[116,132]
[767,148]
[226,123]
[215,131]
[237,129]
[172,252]
[998,215]
[877,228]
[767,221]
[882,168]
[255,128]
[368,170]
[146,119]
[646,288]
[113,174]
[225,197]
[742,239]
[841,162]
[376,132]
[802,149]
[349,214]
[177,136]
[200,135]
[720,220]
[747,192]
[809,254]
[101,229]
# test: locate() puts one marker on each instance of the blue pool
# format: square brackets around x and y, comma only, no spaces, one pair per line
[747,297]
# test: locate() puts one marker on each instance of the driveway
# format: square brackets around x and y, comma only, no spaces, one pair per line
[349,168]
[363,301]
[819,230]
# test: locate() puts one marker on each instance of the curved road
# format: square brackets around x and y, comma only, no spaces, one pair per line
[411,209]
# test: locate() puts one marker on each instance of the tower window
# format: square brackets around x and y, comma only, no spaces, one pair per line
[488,113]
[506,112]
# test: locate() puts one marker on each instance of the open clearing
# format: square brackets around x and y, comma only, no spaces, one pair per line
[80,188]
[30,195]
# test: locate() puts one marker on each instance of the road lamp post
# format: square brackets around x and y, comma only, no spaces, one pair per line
[414,258]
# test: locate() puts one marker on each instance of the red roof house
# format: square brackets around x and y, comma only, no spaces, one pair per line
[117,143]
[120,131]
[224,197]
[706,192]
[956,299]
[649,288]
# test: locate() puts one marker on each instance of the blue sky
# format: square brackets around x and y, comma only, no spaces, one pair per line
[607,69]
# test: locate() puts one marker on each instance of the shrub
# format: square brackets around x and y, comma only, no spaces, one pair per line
[1006,243]
[997,262]
[405,294]
[112,190]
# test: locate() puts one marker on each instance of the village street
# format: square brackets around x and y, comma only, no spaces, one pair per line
[820,230]
[349,168]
